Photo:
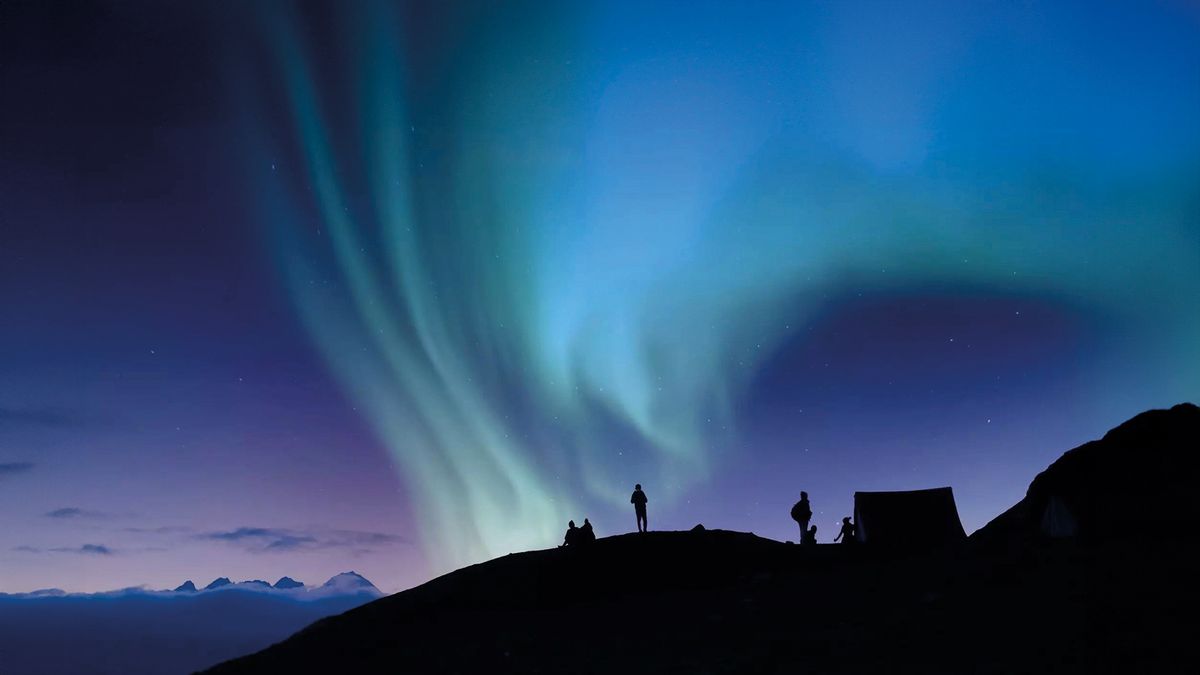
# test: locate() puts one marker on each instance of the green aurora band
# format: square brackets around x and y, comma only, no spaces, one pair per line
[541,277]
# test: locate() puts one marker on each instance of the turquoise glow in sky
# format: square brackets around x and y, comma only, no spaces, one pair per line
[549,251]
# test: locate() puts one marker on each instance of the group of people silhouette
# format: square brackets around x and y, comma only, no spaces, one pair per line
[801,513]
[579,535]
[583,535]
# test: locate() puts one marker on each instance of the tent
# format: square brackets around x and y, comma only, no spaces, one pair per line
[912,518]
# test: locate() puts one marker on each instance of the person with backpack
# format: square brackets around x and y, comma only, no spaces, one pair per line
[802,513]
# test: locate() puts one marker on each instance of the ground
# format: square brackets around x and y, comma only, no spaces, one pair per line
[728,602]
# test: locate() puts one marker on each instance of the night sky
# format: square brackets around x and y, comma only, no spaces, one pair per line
[297,288]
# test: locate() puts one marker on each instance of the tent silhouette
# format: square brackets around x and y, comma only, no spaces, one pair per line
[911,518]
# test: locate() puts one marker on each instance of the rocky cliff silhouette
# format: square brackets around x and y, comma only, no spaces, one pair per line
[1104,598]
[1139,480]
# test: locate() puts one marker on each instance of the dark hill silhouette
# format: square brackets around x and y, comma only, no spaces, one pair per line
[712,601]
[288,582]
[1139,480]
[186,587]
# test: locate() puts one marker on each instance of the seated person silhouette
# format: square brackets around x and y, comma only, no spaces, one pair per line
[847,533]
[809,536]
[572,537]
[586,535]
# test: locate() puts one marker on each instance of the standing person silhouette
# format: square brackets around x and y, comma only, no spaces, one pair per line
[802,513]
[639,507]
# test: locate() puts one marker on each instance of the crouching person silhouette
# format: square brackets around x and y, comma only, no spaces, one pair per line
[848,531]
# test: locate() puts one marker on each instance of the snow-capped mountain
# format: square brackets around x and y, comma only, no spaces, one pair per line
[140,631]
[346,583]
[350,582]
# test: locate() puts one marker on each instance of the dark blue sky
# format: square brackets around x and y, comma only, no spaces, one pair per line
[298,289]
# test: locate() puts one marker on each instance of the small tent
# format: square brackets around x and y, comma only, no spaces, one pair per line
[911,518]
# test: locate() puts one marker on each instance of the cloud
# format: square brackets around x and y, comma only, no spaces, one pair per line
[358,538]
[86,549]
[45,418]
[165,529]
[288,542]
[69,512]
[277,539]
[95,549]
[264,538]
[13,468]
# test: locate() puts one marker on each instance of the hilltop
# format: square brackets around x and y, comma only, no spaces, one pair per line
[709,601]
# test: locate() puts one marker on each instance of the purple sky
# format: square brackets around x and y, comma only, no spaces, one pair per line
[1024,274]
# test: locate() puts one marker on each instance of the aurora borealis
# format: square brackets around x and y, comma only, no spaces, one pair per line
[528,254]
[608,235]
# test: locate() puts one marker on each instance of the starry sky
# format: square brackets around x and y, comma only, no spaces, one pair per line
[296,288]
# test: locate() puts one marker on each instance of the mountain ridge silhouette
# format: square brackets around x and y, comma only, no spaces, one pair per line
[139,631]
[717,601]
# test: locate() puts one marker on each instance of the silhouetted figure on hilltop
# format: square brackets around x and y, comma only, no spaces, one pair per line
[847,534]
[572,537]
[809,536]
[802,513]
[639,507]
[586,535]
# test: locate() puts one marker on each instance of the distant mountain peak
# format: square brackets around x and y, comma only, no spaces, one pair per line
[346,582]
[217,583]
[350,581]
